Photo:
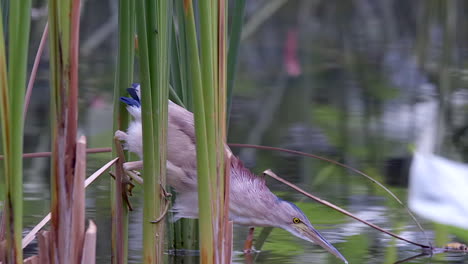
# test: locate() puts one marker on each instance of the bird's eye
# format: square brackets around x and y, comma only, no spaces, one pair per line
[296,220]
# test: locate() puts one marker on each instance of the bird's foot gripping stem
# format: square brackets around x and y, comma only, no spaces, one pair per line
[120,174]
[130,169]
[166,195]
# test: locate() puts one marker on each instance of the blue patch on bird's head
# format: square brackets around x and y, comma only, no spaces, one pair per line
[133,92]
[135,85]
[130,101]
[295,207]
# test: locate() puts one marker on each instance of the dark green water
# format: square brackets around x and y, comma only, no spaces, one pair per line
[348,80]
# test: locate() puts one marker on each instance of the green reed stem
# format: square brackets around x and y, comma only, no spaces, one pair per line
[13,88]
[153,34]
[203,168]
[184,231]
[123,80]
[149,166]
[5,132]
[160,97]
[207,43]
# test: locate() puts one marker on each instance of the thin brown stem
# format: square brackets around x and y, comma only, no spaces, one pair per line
[47,154]
[341,165]
[32,77]
[326,203]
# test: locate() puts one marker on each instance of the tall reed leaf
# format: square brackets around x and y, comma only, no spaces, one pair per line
[5,115]
[207,75]
[207,43]
[149,166]
[222,183]
[160,97]
[153,42]
[203,170]
[13,85]
[185,231]
[123,80]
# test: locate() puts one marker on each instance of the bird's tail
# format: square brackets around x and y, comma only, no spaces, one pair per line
[133,102]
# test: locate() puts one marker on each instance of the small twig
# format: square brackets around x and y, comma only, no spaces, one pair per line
[32,77]
[32,234]
[47,154]
[166,196]
[161,217]
[276,177]
[341,165]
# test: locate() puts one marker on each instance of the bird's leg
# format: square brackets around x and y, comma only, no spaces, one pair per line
[165,193]
[249,258]
[249,241]
[131,166]
[120,176]
[120,135]
[135,176]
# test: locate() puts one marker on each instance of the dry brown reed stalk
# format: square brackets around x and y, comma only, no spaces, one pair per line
[32,234]
[78,202]
[89,245]
[224,240]
[45,247]
[64,41]
[228,225]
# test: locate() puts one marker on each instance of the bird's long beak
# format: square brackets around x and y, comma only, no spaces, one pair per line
[311,234]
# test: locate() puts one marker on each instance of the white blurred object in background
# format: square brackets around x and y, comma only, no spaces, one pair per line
[438,187]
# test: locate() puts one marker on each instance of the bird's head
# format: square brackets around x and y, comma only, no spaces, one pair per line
[293,220]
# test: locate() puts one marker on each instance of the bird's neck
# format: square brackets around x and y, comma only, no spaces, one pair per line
[251,201]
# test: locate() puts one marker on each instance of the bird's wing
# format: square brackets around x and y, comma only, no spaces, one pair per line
[182,119]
